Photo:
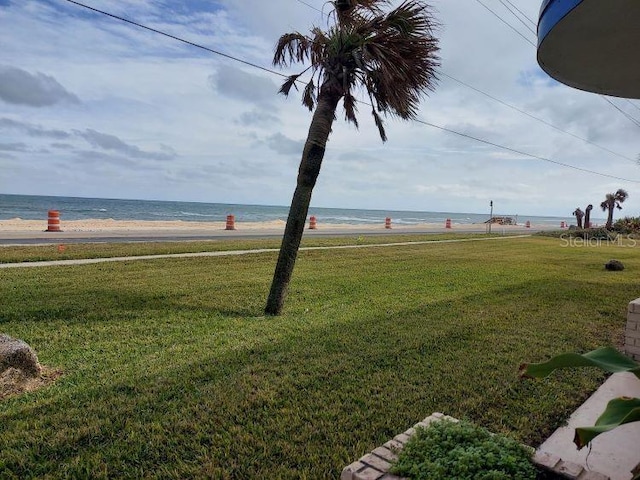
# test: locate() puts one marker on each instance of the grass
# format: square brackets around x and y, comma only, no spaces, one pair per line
[20,253]
[171,371]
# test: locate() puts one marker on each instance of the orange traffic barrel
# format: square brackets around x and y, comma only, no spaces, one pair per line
[562,224]
[313,223]
[61,248]
[231,222]
[387,222]
[53,224]
[447,224]
[528,224]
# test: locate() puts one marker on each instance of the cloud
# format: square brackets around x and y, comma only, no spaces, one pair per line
[13,147]
[62,146]
[240,85]
[102,159]
[20,87]
[259,118]
[111,142]
[284,145]
[33,130]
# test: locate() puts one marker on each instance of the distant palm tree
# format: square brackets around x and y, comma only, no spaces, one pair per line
[613,200]
[389,56]
[587,216]
[578,214]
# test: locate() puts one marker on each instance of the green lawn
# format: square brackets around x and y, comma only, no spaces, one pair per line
[13,254]
[171,371]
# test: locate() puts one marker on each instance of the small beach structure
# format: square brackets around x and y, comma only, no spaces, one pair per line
[501,220]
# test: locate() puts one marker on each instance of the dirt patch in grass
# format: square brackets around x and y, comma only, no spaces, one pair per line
[15,382]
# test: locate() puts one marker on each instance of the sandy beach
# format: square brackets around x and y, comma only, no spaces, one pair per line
[100,228]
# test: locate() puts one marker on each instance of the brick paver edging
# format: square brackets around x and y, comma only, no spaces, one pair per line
[376,464]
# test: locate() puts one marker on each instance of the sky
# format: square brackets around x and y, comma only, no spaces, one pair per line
[91,106]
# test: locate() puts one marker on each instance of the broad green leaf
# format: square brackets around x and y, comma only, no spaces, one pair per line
[618,412]
[605,358]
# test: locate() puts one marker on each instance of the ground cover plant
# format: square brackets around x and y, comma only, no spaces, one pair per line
[171,371]
[445,450]
[627,225]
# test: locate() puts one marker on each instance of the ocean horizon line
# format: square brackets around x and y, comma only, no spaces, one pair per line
[65,199]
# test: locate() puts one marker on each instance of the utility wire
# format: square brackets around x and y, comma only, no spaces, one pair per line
[633,120]
[519,19]
[523,14]
[635,162]
[537,118]
[636,122]
[632,104]
[364,103]
[513,150]
[159,32]
[507,24]
[310,6]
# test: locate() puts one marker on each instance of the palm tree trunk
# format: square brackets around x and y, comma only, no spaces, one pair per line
[587,216]
[610,216]
[310,163]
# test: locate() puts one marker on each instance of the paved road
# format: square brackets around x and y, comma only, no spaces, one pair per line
[52,238]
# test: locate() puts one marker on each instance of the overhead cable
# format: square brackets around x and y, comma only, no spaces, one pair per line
[520,152]
[632,119]
[517,17]
[513,107]
[282,75]
[160,32]
[507,24]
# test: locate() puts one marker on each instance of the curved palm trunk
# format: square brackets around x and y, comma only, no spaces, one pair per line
[587,217]
[611,206]
[310,163]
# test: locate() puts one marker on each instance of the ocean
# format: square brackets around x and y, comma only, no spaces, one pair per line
[32,207]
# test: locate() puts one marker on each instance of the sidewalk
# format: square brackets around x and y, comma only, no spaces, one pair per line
[613,453]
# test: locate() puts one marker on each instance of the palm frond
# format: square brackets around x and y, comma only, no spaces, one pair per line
[349,11]
[621,195]
[318,47]
[378,120]
[402,51]
[288,83]
[291,47]
[350,108]
[309,95]
[391,55]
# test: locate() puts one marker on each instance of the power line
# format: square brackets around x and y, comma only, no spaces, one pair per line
[159,32]
[632,119]
[519,152]
[516,108]
[523,14]
[632,104]
[537,118]
[364,103]
[507,24]
[517,17]
[310,6]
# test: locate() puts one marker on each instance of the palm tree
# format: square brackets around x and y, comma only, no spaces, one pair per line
[613,200]
[391,56]
[579,214]
[587,216]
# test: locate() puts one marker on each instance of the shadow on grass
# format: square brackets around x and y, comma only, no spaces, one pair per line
[303,400]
